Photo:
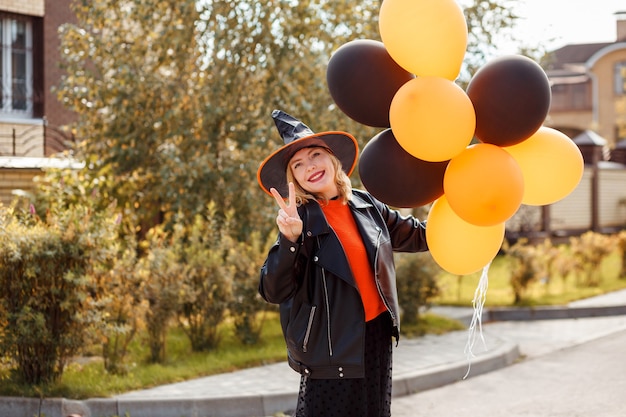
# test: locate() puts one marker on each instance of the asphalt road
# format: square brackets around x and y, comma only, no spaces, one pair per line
[584,380]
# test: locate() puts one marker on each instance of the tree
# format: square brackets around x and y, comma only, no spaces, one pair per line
[174,97]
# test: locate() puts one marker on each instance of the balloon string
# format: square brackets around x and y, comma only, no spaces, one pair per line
[480,296]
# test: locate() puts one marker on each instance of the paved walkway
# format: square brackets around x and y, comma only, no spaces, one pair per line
[419,364]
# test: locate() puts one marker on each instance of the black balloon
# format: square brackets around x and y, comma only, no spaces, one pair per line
[362,79]
[511,96]
[396,177]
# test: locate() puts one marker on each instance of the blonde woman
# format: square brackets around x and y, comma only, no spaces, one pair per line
[331,271]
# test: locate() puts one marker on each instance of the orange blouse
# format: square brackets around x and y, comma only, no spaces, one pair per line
[342,222]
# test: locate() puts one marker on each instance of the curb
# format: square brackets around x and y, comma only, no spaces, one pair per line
[550,313]
[245,406]
[440,375]
[261,405]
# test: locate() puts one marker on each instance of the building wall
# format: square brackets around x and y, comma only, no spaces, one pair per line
[15,179]
[57,12]
[28,7]
[571,119]
[605,75]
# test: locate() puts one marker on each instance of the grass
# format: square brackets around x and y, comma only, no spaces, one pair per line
[87,378]
[459,290]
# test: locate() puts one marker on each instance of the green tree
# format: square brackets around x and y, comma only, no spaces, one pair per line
[174,97]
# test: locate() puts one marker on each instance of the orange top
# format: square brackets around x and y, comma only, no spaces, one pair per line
[340,219]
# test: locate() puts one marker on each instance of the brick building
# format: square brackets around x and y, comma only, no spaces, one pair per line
[32,121]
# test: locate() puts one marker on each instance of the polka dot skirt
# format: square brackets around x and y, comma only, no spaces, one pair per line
[355,397]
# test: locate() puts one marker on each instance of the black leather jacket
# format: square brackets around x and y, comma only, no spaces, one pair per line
[321,311]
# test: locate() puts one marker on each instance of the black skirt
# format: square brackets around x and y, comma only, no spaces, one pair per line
[357,397]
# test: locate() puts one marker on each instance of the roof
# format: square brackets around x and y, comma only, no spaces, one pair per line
[589,137]
[570,56]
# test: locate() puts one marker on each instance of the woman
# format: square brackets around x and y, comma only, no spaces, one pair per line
[332,272]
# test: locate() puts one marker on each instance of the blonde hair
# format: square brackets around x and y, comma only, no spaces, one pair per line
[344,186]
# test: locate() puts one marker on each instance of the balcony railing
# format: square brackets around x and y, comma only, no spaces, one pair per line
[40,140]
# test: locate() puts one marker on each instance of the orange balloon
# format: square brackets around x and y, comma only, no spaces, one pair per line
[425,37]
[551,164]
[457,246]
[484,185]
[432,118]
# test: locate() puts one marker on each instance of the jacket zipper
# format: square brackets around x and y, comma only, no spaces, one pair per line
[327,306]
[308,329]
[380,292]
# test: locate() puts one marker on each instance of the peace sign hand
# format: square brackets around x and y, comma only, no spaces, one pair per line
[288,220]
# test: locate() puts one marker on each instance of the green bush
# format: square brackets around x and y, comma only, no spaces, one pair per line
[45,286]
[119,300]
[161,274]
[202,247]
[245,259]
[416,282]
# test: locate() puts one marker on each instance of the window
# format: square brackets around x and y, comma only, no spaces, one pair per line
[16,66]
[620,78]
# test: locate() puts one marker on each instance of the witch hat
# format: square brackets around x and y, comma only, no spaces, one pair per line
[296,135]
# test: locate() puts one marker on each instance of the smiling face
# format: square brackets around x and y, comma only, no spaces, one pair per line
[313,169]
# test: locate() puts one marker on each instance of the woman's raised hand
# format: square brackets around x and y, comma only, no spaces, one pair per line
[288,220]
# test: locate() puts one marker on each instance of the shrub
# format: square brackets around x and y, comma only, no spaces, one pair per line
[591,249]
[245,259]
[524,267]
[119,301]
[202,248]
[416,282]
[162,275]
[45,285]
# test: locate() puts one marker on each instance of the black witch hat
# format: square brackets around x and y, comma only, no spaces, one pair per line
[296,135]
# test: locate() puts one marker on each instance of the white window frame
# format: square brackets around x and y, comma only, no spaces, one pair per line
[6,107]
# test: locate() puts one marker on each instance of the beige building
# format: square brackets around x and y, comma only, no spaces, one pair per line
[589,87]
[32,121]
[588,83]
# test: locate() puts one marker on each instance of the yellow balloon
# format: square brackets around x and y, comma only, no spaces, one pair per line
[425,37]
[457,246]
[432,118]
[484,185]
[551,164]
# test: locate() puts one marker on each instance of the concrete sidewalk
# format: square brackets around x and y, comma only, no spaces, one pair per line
[419,364]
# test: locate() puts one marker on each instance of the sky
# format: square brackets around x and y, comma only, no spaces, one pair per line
[555,23]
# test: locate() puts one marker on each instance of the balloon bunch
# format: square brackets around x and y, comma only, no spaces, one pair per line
[405,85]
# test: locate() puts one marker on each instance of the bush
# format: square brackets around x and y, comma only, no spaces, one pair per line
[246,259]
[591,249]
[206,293]
[162,275]
[416,282]
[45,286]
[119,301]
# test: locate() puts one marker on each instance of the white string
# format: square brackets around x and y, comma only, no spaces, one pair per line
[480,296]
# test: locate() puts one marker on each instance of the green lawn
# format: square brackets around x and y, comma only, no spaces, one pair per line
[459,290]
